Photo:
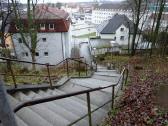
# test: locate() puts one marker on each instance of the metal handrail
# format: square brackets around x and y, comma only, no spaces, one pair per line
[47,65]
[22,61]
[87,92]
[48,99]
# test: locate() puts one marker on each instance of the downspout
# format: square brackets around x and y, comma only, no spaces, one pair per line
[62,47]
[14,47]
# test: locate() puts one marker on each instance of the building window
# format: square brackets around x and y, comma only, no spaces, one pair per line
[51,26]
[37,53]
[121,29]
[16,27]
[45,53]
[7,45]
[20,40]
[26,53]
[122,38]
[42,26]
[44,39]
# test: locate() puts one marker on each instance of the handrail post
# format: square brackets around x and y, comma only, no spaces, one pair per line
[79,69]
[86,70]
[89,109]
[126,76]
[123,79]
[12,74]
[91,66]
[112,103]
[48,71]
[86,67]
[67,67]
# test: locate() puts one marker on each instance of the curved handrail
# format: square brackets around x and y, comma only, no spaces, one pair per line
[47,65]
[48,99]
[22,61]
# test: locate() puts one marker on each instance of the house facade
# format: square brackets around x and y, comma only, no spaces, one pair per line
[119,29]
[53,36]
[108,10]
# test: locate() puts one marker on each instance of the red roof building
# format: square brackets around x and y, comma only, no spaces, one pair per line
[53,26]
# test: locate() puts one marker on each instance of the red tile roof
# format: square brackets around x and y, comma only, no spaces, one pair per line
[45,12]
[46,15]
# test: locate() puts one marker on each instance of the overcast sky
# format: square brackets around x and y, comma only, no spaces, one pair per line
[55,1]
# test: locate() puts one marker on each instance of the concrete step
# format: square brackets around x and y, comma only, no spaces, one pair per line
[106,70]
[92,83]
[43,111]
[106,78]
[70,116]
[110,74]
[82,101]
[28,116]
[101,67]
[20,122]
[96,116]
[65,103]
[97,98]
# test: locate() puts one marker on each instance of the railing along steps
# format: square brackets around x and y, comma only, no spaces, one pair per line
[62,112]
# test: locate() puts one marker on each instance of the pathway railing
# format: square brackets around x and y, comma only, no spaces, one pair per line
[68,67]
[123,79]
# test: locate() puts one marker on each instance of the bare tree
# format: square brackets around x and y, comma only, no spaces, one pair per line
[5,13]
[28,31]
[138,8]
[156,24]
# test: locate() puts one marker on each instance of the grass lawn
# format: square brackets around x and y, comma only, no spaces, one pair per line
[39,76]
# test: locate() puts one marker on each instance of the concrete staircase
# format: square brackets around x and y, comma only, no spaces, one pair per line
[65,111]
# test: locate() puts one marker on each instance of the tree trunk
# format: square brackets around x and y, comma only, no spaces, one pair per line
[155,36]
[138,6]
[33,56]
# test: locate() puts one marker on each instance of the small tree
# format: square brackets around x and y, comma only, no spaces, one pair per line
[156,24]
[138,8]
[29,32]
[5,13]
[163,42]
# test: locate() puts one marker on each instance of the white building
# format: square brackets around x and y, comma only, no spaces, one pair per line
[53,36]
[119,29]
[88,17]
[108,10]
[102,46]
[80,29]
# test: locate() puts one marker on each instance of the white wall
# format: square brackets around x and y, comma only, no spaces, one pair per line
[88,17]
[118,35]
[107,36]
[100,15]
[55,47]
[82,29]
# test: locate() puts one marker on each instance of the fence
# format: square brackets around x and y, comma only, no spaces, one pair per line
[50,73]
